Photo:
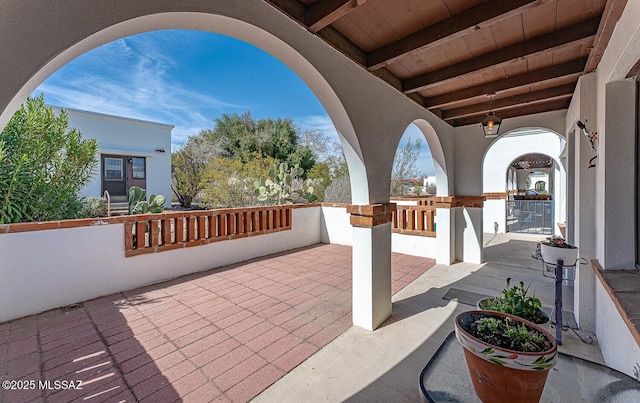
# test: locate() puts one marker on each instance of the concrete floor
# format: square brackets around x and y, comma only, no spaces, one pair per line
[384,365]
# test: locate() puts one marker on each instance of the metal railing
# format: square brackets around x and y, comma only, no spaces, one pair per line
[530,216]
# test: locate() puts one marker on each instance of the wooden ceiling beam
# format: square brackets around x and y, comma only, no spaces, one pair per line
[612,12]
[515,112]
[560,92]
[294,9]
[325,12]
[542,44]
[573,68]
[457,26]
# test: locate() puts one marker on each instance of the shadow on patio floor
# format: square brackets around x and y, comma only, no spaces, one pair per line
[224,335]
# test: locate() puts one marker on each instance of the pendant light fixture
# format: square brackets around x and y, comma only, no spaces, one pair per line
[491,123]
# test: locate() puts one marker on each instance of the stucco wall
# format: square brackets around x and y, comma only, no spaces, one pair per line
[621,55]
[129,137]
[336,229]
[47,269]
[619,349]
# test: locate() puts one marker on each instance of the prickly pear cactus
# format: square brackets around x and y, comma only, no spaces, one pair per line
[156,203]
[279,187]
[136,195]
[138,204]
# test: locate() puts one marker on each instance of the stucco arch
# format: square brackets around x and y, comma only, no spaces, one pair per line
[100,31]
[506,149]
[499,156]
[366,111]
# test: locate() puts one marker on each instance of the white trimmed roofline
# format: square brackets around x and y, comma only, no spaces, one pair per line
[105,116]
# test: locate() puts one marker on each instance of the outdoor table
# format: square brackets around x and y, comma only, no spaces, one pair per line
[445,378]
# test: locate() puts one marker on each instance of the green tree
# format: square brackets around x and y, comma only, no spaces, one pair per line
[43,165]
[338,191]
[249,139]
[188,166]
[334,183]
[319,177]
[228,182]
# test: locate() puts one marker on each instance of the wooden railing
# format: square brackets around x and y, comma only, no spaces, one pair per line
[149,233]
[414,220]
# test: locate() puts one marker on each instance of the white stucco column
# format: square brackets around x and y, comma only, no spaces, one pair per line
[560,196]
[459,229]
[584,191]
[570,164]
[495,213]
[468,223]
[371,264]
[445,236]
[616,249]
[584,237]
[521,178]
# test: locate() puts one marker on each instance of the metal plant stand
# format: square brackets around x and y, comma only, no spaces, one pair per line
[558,299]
[560,278]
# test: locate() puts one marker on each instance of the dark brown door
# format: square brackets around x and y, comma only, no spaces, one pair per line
[114,179]
[137,172]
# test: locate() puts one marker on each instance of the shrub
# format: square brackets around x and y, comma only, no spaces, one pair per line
[43,165]
[93,207]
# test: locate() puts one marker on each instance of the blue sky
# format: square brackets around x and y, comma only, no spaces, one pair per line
[186,79]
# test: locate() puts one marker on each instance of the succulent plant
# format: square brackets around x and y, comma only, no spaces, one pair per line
[279,187]
[138,204]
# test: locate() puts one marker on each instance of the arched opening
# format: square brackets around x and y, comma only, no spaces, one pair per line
[413,172]
[153,77]
[530,208]
[437,156]
[231,27]
[524,183]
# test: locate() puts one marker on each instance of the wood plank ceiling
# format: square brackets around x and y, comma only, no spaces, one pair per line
[449,55]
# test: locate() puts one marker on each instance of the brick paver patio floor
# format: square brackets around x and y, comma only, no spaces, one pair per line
[221,335]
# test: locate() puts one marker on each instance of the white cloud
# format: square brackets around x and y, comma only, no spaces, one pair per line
[134,78]
[320,123]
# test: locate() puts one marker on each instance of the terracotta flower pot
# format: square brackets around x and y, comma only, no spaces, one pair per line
[503,375]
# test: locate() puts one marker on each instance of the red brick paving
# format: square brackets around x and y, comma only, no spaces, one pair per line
[223,335]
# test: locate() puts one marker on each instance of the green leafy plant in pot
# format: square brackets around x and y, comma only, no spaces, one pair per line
[516,301]
[508,358]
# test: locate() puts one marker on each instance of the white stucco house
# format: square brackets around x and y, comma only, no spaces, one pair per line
[131,152]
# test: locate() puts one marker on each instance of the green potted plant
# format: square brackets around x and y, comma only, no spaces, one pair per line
[508,357]
[555,248]
[516,301]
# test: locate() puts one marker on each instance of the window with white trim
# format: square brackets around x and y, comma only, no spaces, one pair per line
[113,169]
